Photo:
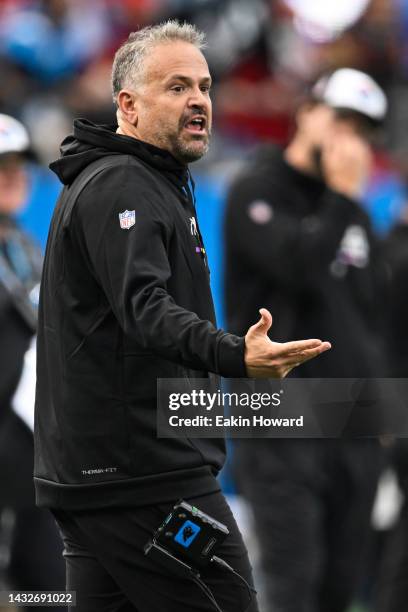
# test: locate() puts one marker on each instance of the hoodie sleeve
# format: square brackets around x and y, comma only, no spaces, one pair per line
[289,248]
[133,268]
[12,348]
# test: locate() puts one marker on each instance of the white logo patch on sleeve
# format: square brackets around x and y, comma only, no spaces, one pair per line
[127,219]
[354,248]
[260,212]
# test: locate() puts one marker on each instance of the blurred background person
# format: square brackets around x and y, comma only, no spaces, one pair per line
[392,587]
[298,241]
[31,551]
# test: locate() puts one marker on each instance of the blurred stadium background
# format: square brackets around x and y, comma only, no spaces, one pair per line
[55,58]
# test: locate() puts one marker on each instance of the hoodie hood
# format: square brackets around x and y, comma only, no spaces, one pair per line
[90,142]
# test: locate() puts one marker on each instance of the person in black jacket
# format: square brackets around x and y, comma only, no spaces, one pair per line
[392,590]
[31,548]
[125,300]
[298,241]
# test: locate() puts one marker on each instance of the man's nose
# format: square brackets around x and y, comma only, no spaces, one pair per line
[198,98]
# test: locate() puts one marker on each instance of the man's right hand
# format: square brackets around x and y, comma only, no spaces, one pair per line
[267,359]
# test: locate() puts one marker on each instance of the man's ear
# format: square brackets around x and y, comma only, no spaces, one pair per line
[127,106]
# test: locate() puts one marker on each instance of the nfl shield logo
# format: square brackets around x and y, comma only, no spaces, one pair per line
[127,219]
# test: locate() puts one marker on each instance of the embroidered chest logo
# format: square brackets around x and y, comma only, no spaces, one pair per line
[199,248]
[127,219]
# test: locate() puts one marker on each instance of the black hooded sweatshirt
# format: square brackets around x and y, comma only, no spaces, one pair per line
[121,306]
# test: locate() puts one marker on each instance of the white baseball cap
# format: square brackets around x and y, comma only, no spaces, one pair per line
[13,136]
[351,89]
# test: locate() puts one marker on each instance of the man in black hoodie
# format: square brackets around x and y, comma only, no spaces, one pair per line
[306,250]
[125,300]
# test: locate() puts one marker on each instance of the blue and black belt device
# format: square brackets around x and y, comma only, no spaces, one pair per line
[191,535]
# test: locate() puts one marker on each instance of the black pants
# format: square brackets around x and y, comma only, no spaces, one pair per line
[107,568]
[312,502]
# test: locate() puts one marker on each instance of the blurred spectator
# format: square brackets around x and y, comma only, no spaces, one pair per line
[31,549]
[299,244]
[264,84]
[53,39]
[392,593]
[46,46]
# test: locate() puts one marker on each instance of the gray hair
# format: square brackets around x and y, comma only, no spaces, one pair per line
[128,69]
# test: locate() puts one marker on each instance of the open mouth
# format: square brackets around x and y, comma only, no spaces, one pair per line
[197,124]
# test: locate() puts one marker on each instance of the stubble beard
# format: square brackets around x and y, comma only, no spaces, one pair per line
[184,151]
[188,152]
